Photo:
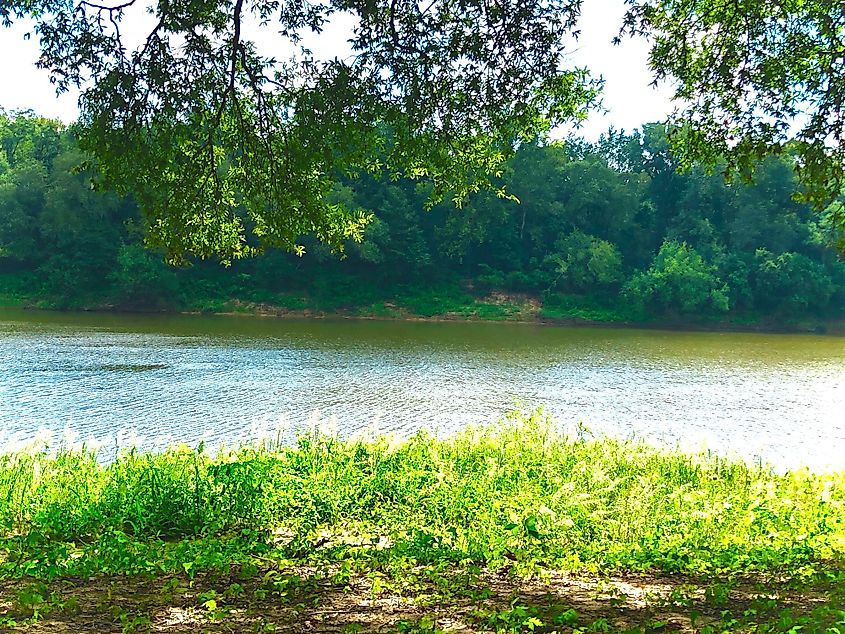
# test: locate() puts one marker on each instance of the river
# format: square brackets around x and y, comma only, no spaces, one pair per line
[157,379]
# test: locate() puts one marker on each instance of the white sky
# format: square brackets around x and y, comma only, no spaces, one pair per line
[628,97]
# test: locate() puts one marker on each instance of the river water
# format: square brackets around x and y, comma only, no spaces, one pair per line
[153,380]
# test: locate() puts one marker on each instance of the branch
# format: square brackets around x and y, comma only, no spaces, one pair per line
[102,7]
[236,44]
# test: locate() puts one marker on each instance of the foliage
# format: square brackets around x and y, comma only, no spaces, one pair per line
[224,146]
[558,306]
[679,279]
[792,282]
[143,277]
[228,150]
[430,518]
[585,263]
[753,79]
[517,493]
[592,220]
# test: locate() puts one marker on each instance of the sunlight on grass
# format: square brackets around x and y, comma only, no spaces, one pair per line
[514,494]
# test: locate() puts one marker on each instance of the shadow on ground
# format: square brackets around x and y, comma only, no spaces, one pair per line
[313,602]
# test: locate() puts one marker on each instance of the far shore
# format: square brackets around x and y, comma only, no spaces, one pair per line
[532,317]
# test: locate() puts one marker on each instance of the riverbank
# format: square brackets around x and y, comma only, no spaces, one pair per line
[512,528]
[451,304]
[531,312]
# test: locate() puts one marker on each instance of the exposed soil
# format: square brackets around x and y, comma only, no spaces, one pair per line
[303,602]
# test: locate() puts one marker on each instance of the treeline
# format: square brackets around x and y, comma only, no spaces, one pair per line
[610,226]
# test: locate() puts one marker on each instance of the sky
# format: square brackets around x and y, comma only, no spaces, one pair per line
[628,97]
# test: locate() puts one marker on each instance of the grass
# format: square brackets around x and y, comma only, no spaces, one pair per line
[454,526]
[575,307]
[440,301]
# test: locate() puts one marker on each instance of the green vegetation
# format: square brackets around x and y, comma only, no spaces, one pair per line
[224,146]
[432,521]
[753,79]
[603,232]
[212,150]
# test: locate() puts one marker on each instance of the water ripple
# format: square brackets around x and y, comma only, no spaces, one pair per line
[186,379]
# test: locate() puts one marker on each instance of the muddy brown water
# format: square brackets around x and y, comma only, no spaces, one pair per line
[156,379]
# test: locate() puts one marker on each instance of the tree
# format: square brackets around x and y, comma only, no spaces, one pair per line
[754,78]
[28,147]
[581,229]
[21,200]
[586,264]
[142,278]
[227,150]
[679,280]
[791,283]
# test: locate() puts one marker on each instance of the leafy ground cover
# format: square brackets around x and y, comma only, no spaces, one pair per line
[512,527]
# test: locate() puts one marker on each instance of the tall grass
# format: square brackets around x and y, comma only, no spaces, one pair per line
[516,493]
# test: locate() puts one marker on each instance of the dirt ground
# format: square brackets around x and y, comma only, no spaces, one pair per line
[303,602]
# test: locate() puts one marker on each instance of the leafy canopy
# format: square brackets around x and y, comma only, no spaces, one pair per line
[226,148]
[755,78]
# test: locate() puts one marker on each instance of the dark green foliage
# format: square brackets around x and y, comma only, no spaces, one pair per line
[225,147]
[753,79]
[587,308]
[791,283]
[143,278]
[585,264]
[604,232]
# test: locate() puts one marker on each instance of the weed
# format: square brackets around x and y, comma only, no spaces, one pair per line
[423,517]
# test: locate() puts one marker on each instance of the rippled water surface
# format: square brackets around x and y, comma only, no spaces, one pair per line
[187,378]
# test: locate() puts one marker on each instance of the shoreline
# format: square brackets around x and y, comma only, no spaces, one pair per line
[829,327]
[834,327]
[490,527]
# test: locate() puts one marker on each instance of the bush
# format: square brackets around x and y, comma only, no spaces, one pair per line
[791,283]
[586,264]
[678,281]
[143,279]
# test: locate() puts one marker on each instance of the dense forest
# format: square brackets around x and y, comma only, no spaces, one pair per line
[600,231]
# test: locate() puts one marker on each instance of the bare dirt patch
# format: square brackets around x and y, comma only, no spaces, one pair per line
[307,602]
